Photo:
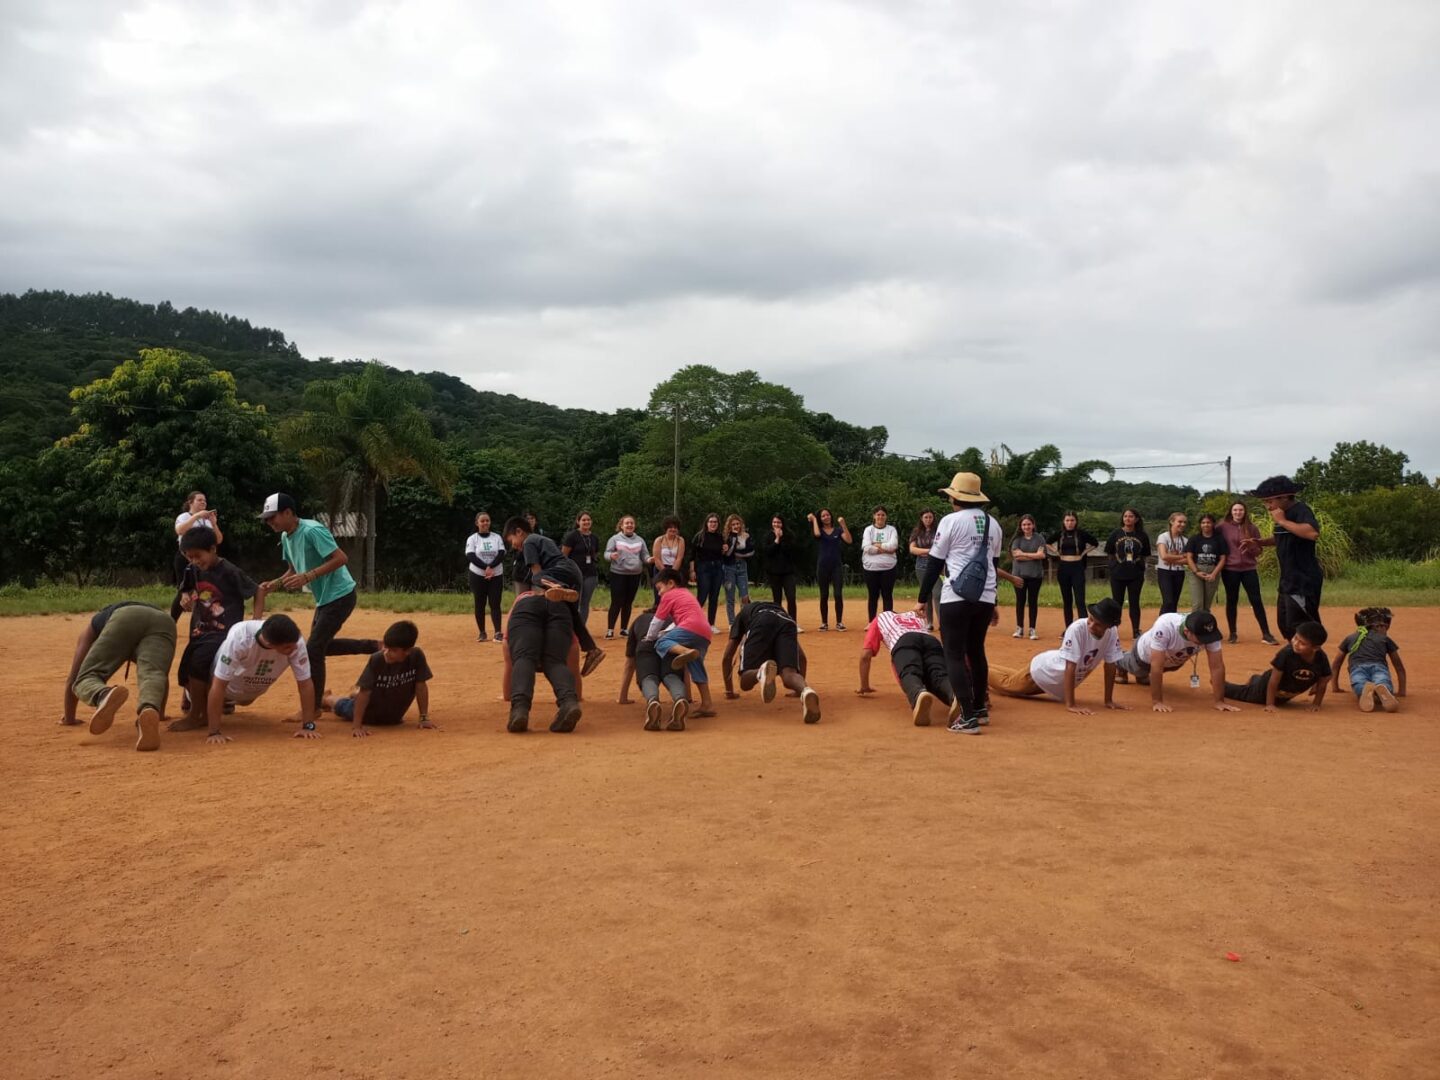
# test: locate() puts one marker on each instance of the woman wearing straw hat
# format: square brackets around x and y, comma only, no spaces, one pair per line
[968,542]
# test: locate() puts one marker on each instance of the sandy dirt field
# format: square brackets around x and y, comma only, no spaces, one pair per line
[752,897]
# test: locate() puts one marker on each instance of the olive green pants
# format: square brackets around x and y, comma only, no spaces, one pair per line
[136,633]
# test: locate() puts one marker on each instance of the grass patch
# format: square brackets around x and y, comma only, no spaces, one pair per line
[1388,582]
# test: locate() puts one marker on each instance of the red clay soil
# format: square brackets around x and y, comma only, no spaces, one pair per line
[752,897]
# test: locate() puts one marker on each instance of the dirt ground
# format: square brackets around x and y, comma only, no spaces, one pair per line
[752,897]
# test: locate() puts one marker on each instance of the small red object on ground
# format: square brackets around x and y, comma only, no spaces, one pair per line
[1233,957]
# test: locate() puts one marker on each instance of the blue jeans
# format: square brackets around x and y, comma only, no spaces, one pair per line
[1379,674]
[736,576]
[676,638]
[345,708]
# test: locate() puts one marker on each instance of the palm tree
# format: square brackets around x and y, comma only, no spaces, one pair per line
[359,432]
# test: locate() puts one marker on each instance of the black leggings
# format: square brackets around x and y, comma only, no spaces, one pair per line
[1172,583]
[623,588]
[487,591]
[963,626]
[1120,589]
[1250,580]
[1071,576]
[831,575]
[783,583]
[1029,593]
[880,584]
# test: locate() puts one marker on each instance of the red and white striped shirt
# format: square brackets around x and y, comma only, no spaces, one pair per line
[890,627]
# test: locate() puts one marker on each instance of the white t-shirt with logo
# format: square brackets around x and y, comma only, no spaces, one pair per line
[249,668]
[1174,545]
[1167,637]
[1087,652]
[957,541]
[887,540]
[490,550]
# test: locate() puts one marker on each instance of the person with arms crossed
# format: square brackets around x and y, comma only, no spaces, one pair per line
[1166,646]
[1088,643]
[485,555]
[582,547]
[878,545]
[1128,547]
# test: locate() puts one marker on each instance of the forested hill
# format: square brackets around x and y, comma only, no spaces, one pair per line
[51,342]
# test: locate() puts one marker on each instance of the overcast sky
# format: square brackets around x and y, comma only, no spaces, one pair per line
[1143,233]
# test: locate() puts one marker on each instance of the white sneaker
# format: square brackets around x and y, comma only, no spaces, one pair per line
[1018,632]
[1033,635]
[810,706]
[767,681]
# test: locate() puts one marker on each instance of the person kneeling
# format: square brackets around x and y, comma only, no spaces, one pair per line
[393,678]
[643,664]
[1300,667]
[767,641]
[250,661]
[1087,644]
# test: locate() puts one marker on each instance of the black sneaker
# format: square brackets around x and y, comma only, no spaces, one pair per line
[624,633]
[966,725]
[593,659]
[499,637]
[1234,639]
[519,719]
[1269,639]
[481,636]
[982,715]
[566,719]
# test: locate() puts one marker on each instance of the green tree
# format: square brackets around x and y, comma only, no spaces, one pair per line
[1355,467]
[156,428]
[359,432]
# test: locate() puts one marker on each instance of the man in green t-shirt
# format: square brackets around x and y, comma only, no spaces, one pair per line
[316,563]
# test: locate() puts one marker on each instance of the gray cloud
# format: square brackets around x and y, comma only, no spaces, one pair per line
[1134,230]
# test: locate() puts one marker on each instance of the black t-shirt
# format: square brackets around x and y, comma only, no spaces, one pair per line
[745,621]
[738,550]
[778,555]
[392,686]
[101,617]
[1127,553]
[1297,675]
[707,546]
[1207,551]
[1299,568]
[1074,542]
[584,547]
[220,595]
[639,627]
[537,549]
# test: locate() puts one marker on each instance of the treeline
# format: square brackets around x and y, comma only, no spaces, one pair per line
[113,411]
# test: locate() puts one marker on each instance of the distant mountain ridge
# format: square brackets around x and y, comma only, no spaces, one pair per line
[52,341]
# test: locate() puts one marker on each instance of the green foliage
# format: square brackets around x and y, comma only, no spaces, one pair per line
[1356,467]
[1389,523]
[1154,502]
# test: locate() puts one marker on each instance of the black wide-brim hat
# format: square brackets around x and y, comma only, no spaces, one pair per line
[1274,487]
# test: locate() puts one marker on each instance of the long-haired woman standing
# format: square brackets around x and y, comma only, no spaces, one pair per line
[1072,547]
[735,566]
[878,545]
[582,547]
[1128,548]
[627,555]
[195,514]
[1027,557]
[1170,562]
[1242,539]
[708,552]
[921,537]
[485,553]
[667,552]
[777,549]
[829,566]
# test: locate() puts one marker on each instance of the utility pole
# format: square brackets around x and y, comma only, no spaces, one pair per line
[1227,476]
[675,486]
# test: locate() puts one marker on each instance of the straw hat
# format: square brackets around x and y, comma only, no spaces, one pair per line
[965,487]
